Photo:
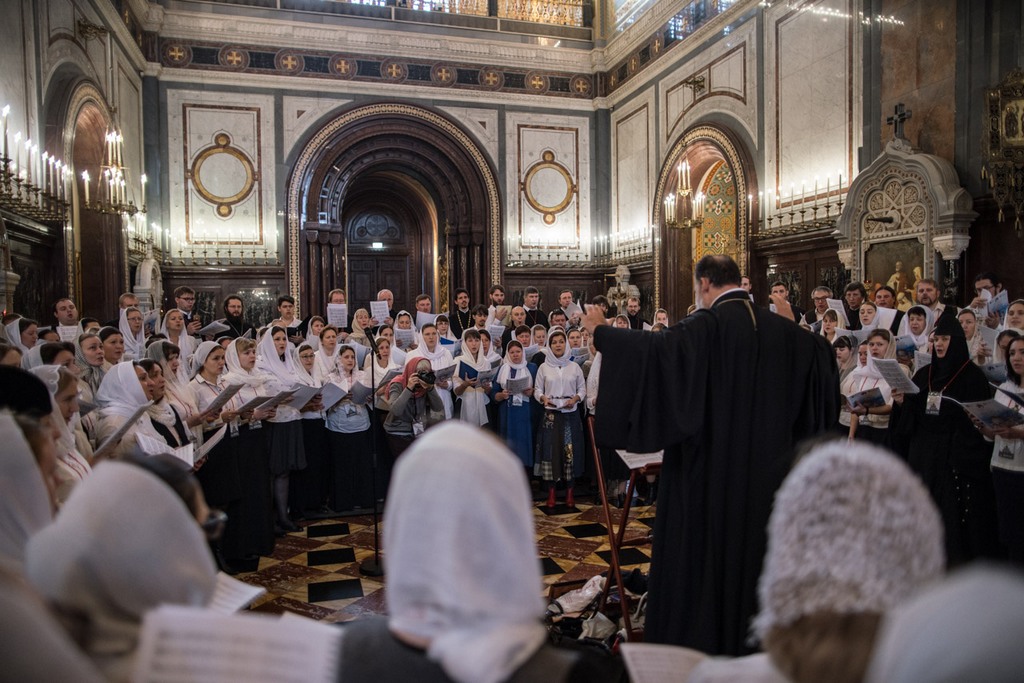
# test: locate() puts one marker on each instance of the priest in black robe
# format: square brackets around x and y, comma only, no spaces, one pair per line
[727,392]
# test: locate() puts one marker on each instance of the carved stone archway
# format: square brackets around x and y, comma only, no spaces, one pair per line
[400,139]
[705,147]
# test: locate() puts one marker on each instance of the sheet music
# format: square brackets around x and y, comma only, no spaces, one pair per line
[115,438]
[486,376]
[995,372]
[496,331]
[68,333]
[195,645]
[445,373]
[223,398]
[303,395]
[390,375]
[517,385]
[360,393]
[635,461]
[213,329]
[151,323]
[885,317]
[988,335]
[530,351]
[253,404]
[330,394]
[999,304]
[404,338]
[892,372]
[275,401]
[337,315]
[650,663]
[379,310]
[231,595]
[573,310]
[424,319]
[922,359]
[210,443]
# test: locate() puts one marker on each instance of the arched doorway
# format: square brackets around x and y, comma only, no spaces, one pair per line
[406,194]
[720,169]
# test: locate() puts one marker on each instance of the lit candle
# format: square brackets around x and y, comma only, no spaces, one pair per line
[28,158]
[6,110]
[760,206]
[828,186]
[17,149]
[85,179]
[750,209]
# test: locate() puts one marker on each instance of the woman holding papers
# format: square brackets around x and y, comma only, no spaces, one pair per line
[405,333]
[113,347]
[173,328]
[326,357]
[125,389]
[512,390]
[287,451]
[863,418]
[167,421]
[944,448]
[829,324]
[72,464]
[440,358]
[469,389]
[415,406]
[385,331]
[1008,458]
[360,323]
[313,330]
[559,444]
[179,392]
[219,472]
[130,326]
[310,488]
[846,359]
[253,534]
[488,349]
[348,424]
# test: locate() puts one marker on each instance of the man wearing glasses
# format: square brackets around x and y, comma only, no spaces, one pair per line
[820,297]
[184,300]
[986,287]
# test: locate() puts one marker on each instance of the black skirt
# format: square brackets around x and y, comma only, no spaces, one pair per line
[353,470]
[254,530]
[287,451]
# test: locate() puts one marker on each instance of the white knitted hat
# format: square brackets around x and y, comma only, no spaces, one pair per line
[853,530]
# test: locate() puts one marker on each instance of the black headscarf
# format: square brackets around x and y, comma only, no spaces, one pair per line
[942,370]
[23,392]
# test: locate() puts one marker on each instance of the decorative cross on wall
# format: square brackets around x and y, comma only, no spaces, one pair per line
[900,114]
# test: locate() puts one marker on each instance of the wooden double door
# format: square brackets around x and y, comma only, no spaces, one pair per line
[371,272]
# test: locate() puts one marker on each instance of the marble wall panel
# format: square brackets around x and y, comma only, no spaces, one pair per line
[812,104]
[729,69]
[481,124]
[548,185]
[221,169]
[16,75]
[129,98]
[300,116]
[634,170]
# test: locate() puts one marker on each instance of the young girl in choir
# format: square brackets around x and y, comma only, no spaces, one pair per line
[846,359]
[113,347]
[348,423]
[559,444]
[249,439]
[514,407]
[540,335]
[134,337]
[471,392]
[829,325]
[443,328]
[621,321]
[869,423]
[287,451]
[173,328]
[867,313]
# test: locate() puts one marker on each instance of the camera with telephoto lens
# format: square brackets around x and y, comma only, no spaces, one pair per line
[427,376]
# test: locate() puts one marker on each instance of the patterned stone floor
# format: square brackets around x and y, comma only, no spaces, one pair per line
[315,571]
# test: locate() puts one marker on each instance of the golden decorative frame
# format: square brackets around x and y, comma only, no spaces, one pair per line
[548,162]
[222,145]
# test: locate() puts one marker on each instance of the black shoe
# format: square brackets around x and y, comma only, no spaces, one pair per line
[287,526]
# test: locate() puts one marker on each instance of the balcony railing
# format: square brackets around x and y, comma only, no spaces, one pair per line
[554,12]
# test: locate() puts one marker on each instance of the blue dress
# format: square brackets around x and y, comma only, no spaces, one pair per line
[516,426]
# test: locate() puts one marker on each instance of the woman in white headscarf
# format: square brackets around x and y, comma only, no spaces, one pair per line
[433,350]
[131,327]
[869,423]
[311,487]
[178,391]
[472,393]
[72,465]
[287,451]
[23,333]
[89,359]
[174,328]
[559,387]
[348,431]
[514,407]
[25,505]
[125,389]
[452,620]
[124,544]
[325,357]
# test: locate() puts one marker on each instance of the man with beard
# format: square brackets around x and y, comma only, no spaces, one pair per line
[233,309]
[633,313]
[498,312]
[531,303]
[928,295]
[727,393]
[461,318]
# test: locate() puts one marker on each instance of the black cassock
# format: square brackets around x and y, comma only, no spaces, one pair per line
[727,392]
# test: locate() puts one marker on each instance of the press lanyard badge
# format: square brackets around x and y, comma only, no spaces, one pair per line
[933,403]
[517,400]
[417,428]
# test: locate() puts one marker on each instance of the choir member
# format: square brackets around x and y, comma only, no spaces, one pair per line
[326,357]
[174,328]
[559,444]
[72,464]
[10,355]
[348,424]
[310,488]
[514,407]
[89,359]
[113,347]
[130,326]
[316,325]
[179,392]
[360,323]
[869,423]
[976,346]
[23,333]
[125,389]
[164,418]
[471,392]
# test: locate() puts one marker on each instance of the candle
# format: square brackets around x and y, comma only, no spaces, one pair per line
[85,179]
[28,159]
[6,110]
[750,209]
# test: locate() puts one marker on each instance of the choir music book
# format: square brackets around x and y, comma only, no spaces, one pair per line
[991,413]
[115,438]
[999,304]
[518,385]
[390,375]
[213,329]
[275,401]
[404,338]
[231,595]
[303,395]
[196,645]
[331,393]
[892,373]
[652,663]
[467,371]
[870,398]
[68,333]
[496,331]
[424,319]
[360,393]
[635,461]
[449,342]
[223,397]
[337,315]
[253,404]
[445,373]
[486,375]
[379,311]
[837,306]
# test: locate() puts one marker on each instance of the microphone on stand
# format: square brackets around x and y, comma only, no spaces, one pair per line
[373,343]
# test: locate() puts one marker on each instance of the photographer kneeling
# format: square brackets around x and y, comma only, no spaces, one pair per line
[415,405]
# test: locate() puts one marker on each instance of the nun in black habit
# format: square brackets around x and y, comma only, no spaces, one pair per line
[944,447]
[727,392]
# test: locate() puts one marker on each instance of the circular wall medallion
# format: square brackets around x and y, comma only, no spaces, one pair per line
[442,74]
[536,82]
[233,57]
[580,85]
[548,187]
[223,175]
[491,78]
[390,70]
[343,66]
[176,54]
[288,62]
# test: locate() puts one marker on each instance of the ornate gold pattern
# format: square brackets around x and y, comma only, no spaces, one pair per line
[548,162]
[558,12]
[306,156]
